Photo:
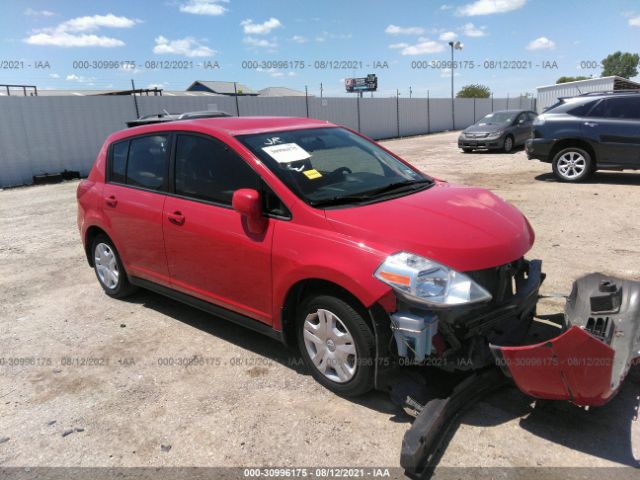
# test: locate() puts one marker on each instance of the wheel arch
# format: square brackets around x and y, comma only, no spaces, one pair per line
[92,232]
[574,142]
[302,289]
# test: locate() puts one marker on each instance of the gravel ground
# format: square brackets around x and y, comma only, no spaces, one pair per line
[167,385]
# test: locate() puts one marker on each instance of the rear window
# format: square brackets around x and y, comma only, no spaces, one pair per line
[119,162]
[148,162]
[582,110]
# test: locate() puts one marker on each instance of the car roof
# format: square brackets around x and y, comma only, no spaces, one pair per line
[511,111]
[230,125]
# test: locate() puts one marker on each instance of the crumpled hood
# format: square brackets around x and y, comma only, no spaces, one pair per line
[465,228]
[485,128]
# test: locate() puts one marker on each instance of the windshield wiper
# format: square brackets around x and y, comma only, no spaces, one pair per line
[369,194]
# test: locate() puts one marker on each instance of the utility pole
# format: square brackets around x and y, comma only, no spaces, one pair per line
[320,90]
[454,46]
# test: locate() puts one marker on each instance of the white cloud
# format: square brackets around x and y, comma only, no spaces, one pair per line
[79,78]
[188,47]
[203,7]
[489,7]
[75,32]
[396,30]
[448,36]
[423,47]
[259,42]
[69,40]
[541,43]
[264,28]
[54,75]
[38,13]
[324,36]
[635,21]
[445,7]
[470,30]
[399,45]
[299,39]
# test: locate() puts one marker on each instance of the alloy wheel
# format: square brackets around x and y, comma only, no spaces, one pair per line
[571,165]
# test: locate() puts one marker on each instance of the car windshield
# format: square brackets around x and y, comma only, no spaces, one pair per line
[498,118]
[332,166]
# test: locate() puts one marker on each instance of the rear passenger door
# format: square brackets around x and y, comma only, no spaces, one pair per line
[210,254]
[133,199]
[615,123]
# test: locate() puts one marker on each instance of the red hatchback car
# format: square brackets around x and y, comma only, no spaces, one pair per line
[317,236]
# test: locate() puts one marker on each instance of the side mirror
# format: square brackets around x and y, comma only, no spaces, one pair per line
[246,202]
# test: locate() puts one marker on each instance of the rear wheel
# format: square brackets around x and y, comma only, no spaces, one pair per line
[109,270]
[572,164]
[336,344]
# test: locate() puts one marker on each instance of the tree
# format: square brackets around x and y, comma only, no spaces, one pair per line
[474,90]
[621,64]
[565,79]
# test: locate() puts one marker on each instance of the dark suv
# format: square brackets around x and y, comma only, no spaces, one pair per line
[593,131]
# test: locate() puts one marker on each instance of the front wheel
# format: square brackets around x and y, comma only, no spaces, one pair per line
[572,165]
[508,144]
[336,344]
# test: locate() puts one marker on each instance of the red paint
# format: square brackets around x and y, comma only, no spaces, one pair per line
[223,256]
[573,366]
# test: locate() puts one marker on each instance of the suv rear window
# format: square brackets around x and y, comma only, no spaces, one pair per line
[619,107]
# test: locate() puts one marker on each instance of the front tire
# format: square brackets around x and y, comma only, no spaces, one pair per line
[572,165]
[336,344]
[507,146]
[109,270]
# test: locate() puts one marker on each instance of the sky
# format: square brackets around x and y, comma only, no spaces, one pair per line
[102,44]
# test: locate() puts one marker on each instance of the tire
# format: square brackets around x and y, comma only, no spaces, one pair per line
[507,146]
[348,374]
[467,150]
[109,270]
[572,165]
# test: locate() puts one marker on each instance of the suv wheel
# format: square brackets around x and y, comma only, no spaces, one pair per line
[109,270]
[336,344]
[508,144]
[572,164]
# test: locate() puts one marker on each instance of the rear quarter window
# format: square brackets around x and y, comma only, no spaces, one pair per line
[118,162]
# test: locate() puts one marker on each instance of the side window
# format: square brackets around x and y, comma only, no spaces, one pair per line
[532,116]
[148,162]
[209,170]
[521,118]
[118,162]
[271,203]
[619,108]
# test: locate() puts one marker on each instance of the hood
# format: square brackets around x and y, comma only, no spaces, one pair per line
[463,227]
[486,127]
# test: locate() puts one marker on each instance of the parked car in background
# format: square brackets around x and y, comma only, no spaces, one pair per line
[593,131]
[501,130]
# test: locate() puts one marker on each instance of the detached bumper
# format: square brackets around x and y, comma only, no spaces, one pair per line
[587,363]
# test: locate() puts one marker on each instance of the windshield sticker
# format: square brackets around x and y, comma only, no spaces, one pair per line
[273,141]
[287,152]
[312,174]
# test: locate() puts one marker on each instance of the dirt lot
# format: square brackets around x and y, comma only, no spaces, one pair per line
[247,403]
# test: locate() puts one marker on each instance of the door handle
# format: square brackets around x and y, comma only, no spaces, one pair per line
[176,218]
[111,201]
[590,124]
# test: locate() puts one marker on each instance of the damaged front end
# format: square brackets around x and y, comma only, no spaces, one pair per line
[587,362]
[582,358]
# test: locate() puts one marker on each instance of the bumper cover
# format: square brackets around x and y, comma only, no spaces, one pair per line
[587,363]
[539,149]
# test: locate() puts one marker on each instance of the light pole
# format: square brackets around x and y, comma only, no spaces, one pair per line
[454,46]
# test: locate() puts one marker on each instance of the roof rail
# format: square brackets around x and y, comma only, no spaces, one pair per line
[172,117]
[609,92]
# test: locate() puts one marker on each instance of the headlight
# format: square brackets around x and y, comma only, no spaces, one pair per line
[495,134]
[427,281]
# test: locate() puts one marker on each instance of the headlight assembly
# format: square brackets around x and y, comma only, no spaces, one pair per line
[429,282]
